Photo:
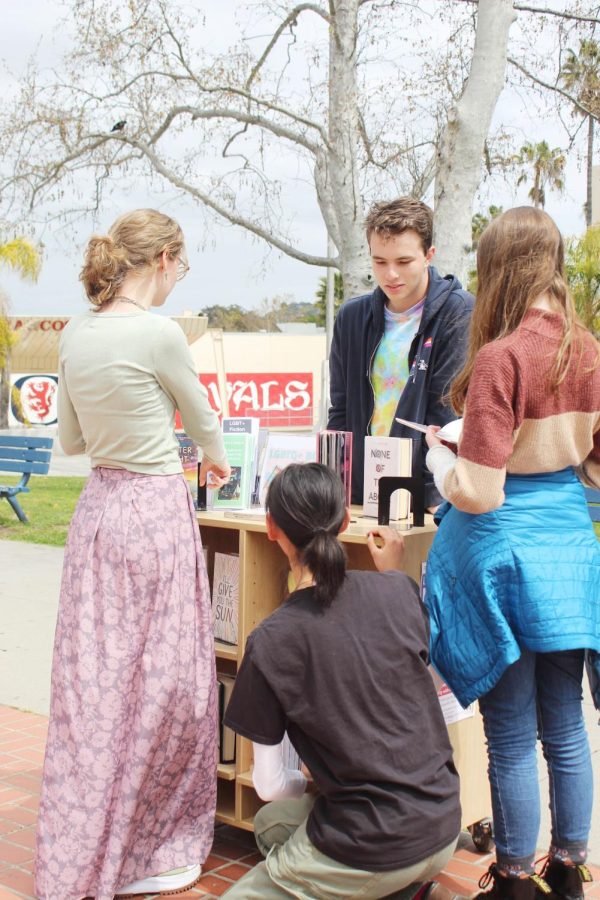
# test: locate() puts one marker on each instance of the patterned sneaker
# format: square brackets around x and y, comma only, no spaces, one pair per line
[174,882]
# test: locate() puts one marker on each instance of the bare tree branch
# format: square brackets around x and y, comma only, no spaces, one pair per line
[546,11]
[249,118]
[267,104]
[553,87]
[290,19]
[159,166]
[577,17]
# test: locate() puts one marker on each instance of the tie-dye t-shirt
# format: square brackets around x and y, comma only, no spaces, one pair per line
[390,366]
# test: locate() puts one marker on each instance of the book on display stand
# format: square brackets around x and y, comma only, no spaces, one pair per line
[334,449]
[386,456]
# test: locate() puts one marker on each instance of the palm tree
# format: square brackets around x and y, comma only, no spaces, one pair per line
[479,223]
[22,257]
[582,262]
[548,170]
[581,76]
[321,295]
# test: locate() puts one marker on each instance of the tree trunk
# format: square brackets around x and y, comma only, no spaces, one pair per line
[590,163]
[537,187]
[336,173]
[461,151]
[5,391]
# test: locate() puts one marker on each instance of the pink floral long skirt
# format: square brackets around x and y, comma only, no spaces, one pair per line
[129,785]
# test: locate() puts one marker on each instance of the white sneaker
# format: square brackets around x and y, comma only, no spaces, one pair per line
[174,882]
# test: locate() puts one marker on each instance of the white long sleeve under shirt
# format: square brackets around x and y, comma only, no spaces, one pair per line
[272,781]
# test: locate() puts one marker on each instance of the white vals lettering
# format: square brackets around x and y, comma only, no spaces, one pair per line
[264,396]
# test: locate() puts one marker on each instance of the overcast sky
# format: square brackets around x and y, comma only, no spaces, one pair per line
[229,267]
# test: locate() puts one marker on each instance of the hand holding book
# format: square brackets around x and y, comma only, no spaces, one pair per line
[433,439]
[216,474]
[447,434]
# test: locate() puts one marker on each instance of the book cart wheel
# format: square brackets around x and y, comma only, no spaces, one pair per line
[482,835]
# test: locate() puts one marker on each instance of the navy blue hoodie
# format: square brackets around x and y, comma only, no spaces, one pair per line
[436,355]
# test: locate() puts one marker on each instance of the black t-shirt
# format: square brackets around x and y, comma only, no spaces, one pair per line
[350,685]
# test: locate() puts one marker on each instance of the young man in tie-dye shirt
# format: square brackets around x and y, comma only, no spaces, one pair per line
[396,350]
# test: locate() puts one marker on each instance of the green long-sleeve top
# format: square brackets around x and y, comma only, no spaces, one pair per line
[121,378]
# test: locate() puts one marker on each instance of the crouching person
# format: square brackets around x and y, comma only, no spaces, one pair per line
[342,667]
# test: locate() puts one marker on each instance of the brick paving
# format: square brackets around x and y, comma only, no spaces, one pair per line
[22,741]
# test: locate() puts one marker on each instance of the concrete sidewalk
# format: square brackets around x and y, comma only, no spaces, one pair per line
[29,588]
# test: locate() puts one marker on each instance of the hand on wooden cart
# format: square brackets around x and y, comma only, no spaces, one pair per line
[386,546]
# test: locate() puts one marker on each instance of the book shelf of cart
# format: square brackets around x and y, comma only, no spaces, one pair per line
[263,573]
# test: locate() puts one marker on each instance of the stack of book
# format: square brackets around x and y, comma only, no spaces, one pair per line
[241,438]
[255,457]
[334,449]
[280,451]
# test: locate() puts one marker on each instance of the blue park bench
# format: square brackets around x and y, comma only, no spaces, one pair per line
[593,501]
[24,456]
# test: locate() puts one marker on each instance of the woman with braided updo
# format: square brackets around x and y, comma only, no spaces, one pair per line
[342,667]
[129,788]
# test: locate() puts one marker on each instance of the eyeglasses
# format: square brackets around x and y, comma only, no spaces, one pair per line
[182,268]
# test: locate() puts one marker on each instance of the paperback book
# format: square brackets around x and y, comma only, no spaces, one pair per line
[225,597]
[450,433]
[452,711]
[225,685]
[280,451]
[261,447]
[248,425]
[236,494]
[188,454]
[334,449]
[387,456]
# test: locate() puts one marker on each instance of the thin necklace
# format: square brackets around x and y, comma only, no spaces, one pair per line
[129,300]
[304,582]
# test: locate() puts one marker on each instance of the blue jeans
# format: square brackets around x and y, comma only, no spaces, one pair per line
[539,695]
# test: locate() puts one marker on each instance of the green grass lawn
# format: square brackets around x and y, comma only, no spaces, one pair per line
[49,507]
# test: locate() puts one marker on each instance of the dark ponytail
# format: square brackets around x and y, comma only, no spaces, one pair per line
[308,503]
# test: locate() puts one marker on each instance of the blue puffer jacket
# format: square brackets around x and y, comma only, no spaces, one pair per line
[525,575]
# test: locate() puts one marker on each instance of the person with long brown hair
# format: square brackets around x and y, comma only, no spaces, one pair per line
[513,577]
[129,787]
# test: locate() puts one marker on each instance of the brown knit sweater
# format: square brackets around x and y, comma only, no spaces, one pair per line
[514,423]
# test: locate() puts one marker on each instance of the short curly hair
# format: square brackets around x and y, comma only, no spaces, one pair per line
[397,216]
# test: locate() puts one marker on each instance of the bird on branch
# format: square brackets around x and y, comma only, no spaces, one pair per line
[118,126]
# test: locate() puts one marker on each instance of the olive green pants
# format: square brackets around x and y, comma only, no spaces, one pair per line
[295,868]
